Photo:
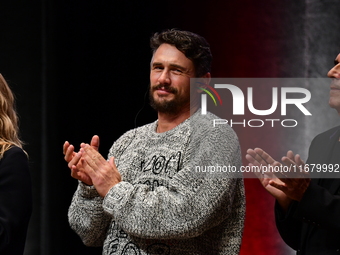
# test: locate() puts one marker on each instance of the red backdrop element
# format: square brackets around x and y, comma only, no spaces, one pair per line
[249,42]
[260,236]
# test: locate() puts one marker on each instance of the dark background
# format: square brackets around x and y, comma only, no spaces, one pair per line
[80,68]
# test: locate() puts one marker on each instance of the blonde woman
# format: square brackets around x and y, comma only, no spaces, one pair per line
[15,182]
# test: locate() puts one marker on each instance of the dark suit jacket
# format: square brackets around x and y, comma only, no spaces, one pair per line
[15,201]
[312,226]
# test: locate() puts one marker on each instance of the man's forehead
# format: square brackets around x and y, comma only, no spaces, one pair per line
[170,54]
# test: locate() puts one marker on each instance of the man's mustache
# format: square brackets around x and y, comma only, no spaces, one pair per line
[335,83]
[166,88]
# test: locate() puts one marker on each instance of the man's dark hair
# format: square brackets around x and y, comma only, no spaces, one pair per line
[192,45]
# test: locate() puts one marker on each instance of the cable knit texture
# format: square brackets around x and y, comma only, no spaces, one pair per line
[164,205]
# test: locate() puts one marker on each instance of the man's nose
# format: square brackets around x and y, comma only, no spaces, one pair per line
[334,72]
[164,78]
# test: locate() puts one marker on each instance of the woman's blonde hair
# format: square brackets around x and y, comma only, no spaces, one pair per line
[9,128]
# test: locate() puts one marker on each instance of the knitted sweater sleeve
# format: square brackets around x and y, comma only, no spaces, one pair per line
[86,215]
[192,203]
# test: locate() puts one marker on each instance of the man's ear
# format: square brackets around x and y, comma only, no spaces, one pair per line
[206,79]
[203,81]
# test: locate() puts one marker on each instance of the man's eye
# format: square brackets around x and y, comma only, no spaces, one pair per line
[158,68]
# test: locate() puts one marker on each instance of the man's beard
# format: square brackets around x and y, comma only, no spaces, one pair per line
[167,106]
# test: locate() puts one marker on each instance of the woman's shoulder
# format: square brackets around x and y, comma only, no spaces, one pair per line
[15,153]
[14,150]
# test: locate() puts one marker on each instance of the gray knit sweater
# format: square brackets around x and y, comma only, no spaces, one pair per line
[163,204]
